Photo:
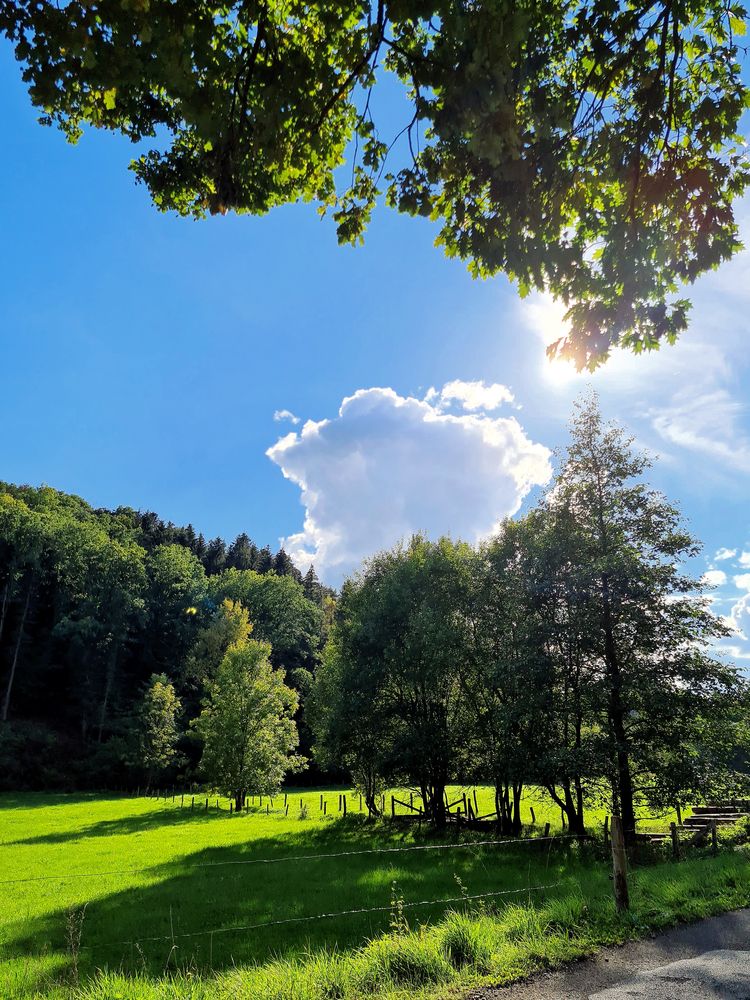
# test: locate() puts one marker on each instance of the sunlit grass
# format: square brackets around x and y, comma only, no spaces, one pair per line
[174,876]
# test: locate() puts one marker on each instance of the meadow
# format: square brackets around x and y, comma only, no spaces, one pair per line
[171,901]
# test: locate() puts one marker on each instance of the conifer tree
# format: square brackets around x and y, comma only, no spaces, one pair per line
[649,629]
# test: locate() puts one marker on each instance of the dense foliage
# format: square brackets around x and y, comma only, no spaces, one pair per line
[247,724]
[571,652]
[112,624]
[584,147]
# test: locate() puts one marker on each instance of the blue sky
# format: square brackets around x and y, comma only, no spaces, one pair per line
[143,357]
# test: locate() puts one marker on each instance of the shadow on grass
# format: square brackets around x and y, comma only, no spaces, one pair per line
[207,910]
[44,800]
[122,826]
[171,813]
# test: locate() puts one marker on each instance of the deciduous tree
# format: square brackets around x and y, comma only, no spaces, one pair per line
[158,731]
[649,630]
[247,725]
[588,148]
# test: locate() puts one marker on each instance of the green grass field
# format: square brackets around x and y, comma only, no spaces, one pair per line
[164,900]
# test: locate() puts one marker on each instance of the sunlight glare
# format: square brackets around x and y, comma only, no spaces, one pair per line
[545,317]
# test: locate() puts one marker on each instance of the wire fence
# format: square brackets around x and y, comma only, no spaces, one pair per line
[465,898]
[472,845]
[357,911]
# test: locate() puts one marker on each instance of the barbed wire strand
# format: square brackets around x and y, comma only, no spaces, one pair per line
[339,913]
[70,876]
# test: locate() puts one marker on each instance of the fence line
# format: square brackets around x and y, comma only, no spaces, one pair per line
[464,845]
[339,913]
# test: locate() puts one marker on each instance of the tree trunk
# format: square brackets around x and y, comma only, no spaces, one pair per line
[617,714]
[516,822]
[111,666]
[435,803]
[572,808]
[503,808]
[369,783]
[239,800]
[4,608]
[14,664]
[624,778]
[579,805]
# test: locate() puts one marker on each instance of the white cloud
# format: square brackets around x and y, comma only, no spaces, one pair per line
[706,422]
[742,581]
[472,395]
[715,577]
[389,465]
[734,652]
[739,619]
[285,415]
[722,554]
[744,560]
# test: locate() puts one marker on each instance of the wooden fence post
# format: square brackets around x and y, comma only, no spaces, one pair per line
[679,814]
[546,829]
[393,806]
[619,865]
[675,841]
[345,806]
[714,840]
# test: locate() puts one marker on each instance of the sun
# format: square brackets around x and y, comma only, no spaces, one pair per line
[546,318]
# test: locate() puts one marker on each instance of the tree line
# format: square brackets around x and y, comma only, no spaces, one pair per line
[98,608]
[571,651]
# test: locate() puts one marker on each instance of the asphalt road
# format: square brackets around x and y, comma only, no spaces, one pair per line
[709,960]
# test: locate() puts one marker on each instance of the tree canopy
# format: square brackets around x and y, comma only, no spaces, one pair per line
[113,624]
[582,147]
[247,725]
[571,651]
